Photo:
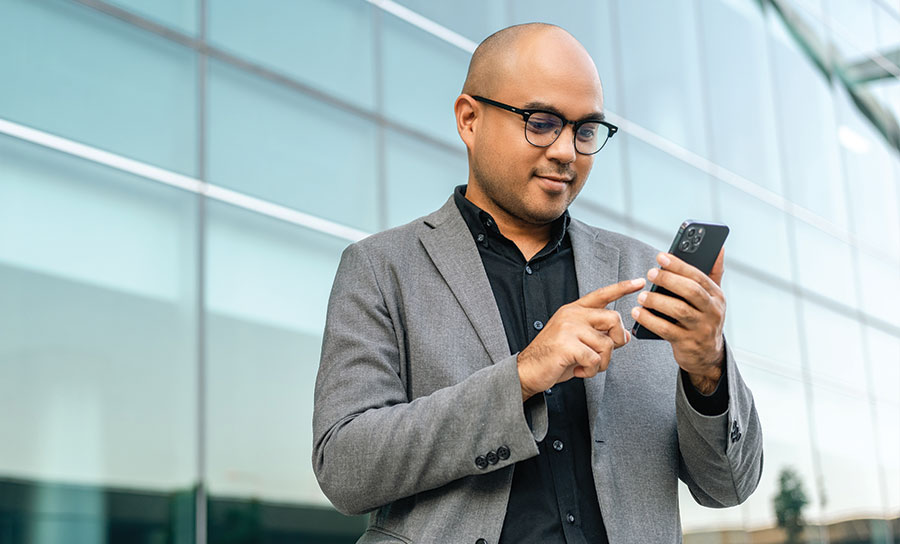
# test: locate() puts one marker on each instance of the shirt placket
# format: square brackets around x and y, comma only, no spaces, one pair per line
[555,446]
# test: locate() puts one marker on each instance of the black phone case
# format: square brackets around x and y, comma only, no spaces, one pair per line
[697,244]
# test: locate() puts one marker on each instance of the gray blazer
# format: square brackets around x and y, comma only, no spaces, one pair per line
[416,381]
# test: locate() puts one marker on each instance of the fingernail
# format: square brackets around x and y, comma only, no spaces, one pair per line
[642,297]
[664,259]
[637,282]
[635,312]
[627,337]
[652,274]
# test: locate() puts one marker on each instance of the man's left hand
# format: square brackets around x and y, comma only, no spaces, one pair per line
[697,340]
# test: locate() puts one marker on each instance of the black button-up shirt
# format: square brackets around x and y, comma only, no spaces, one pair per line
[553,498]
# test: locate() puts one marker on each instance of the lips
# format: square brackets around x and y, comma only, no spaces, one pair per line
[554,185]
[556,178]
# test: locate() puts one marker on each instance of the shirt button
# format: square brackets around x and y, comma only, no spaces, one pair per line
[538,325]
[481,541]
[570,518]
[528,269]
[480,237]
[503,453]
[481,462]
[557,445]
[489,223]
[549,391]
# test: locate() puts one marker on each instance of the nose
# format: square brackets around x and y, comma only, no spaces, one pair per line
[563,149]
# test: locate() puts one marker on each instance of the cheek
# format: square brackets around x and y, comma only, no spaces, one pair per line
[583,168]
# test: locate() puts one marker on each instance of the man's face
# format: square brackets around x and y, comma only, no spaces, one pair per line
[533,184]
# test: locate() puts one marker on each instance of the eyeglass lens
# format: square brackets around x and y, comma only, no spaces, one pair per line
[542,129]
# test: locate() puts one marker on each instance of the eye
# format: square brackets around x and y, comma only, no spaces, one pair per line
[588,131]
[541,123]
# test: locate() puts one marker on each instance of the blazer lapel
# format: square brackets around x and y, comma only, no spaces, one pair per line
[596,266]
[449,244]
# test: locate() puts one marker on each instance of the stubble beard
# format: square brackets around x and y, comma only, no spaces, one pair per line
[500,191]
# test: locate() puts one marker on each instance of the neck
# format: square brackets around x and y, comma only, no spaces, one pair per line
[528,237]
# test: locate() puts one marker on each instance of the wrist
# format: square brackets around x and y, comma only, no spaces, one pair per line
[527,393]
[707,380]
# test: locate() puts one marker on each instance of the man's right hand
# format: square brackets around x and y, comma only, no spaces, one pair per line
[577,341]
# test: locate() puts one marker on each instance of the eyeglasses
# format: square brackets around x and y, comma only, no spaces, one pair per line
[542,128]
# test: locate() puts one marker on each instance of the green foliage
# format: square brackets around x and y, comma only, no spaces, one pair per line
[789,504]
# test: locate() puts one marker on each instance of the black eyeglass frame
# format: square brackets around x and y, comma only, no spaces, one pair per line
[611,128]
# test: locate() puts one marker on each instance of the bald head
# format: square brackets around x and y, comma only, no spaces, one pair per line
[505,54]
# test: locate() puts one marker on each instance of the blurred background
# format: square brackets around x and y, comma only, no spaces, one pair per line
[178,179]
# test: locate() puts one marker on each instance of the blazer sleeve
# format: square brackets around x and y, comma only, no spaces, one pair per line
[720,456]
[372,444]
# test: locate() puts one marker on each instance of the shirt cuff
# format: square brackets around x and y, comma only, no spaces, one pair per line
[714,404]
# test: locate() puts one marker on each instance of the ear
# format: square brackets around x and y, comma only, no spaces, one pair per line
[466,119]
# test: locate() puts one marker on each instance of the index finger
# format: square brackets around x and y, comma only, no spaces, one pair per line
[601,297]
[682,268]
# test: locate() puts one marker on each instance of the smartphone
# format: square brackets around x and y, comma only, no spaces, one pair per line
[697,244]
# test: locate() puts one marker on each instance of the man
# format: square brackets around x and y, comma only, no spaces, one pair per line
[478,383]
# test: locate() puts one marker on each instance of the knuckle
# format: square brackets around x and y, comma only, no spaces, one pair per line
[698,291]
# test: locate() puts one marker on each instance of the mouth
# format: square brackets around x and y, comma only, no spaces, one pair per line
[554,184]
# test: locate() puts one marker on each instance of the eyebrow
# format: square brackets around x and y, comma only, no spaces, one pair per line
[537,105]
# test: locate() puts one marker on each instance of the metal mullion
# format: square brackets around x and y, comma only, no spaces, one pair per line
[201,498]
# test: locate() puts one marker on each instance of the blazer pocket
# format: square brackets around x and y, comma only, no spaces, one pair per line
[377,535]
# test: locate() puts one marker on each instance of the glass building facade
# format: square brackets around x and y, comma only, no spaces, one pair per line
[178,179]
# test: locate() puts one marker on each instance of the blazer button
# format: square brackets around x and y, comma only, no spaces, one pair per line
[481,541]
[503,453]
[481,462]
[492,457]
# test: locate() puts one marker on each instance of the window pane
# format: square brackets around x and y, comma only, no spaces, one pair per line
[268,284]
[884,355]
[825,264]
[758,235]
[807,127]
[661,72]
[664,190]
[780,402]
[834,348]
[845,438]
[324,43]
[457,16]
[98,346]
[873,196]
[178,14]
[880,288]
[762,321]
[421,177]
[75,72]
[271,142]
[742,116]
[888,437]
[423,75]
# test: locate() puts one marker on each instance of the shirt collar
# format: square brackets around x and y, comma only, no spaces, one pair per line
[481,222]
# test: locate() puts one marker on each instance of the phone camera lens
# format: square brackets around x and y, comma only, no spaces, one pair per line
[691,231]
[696,239]
[685,245]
